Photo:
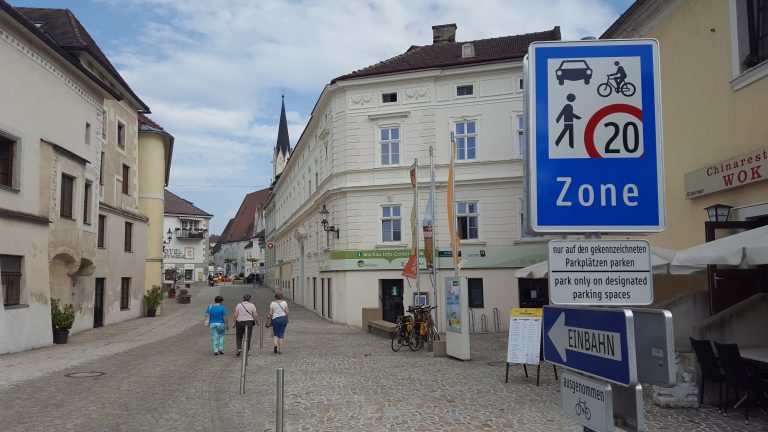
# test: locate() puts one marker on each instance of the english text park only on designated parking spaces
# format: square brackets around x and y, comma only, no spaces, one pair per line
[600,272]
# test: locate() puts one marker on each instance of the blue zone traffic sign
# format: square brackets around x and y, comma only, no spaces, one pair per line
[594,116]
[598,342]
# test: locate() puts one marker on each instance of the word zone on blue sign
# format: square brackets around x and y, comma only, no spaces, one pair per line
[598,342]
[595,157]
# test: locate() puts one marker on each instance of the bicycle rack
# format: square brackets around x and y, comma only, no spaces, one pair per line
[472,321]
[484,323]
[496,320]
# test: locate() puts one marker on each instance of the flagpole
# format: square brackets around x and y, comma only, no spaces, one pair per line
[434,235]
[416,224]
[454,237]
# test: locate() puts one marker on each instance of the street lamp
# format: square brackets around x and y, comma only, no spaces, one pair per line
[326,225]
[718,212]
[167,240]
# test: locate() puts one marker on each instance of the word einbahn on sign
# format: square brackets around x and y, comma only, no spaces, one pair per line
[614,272]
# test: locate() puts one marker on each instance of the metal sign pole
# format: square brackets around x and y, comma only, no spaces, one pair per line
[280,400]
[245,357]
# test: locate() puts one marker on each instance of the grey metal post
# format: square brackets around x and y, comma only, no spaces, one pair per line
[245,361]
[483,323]
[496,320]
[472,321]
[280,400]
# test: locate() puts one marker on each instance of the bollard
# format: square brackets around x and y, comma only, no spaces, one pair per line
[280,400]
[496,320]
[245,361]
[483,323]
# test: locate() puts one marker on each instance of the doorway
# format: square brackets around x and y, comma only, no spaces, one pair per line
[534,293]
[98,304]
[391,299]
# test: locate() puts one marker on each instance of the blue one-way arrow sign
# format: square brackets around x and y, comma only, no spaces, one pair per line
[598,342]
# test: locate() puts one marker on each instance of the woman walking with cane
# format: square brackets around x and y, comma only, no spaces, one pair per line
[278,311]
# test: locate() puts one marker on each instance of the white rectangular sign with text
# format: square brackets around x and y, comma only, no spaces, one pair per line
[600,272]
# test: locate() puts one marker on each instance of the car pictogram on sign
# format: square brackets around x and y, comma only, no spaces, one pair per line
[573,70]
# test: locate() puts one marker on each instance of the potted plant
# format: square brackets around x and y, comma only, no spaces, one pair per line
[176,275]
[62,319]
[184,296]
[152,300]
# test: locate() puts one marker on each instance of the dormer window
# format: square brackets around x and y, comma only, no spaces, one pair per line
[389,97]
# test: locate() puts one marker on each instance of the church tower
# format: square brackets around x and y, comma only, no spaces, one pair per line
[283,147]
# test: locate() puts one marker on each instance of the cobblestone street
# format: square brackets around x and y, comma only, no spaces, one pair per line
[159,374]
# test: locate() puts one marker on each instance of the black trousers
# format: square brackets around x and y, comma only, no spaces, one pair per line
[240,328]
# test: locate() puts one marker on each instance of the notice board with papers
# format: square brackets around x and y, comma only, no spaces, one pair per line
[524,345]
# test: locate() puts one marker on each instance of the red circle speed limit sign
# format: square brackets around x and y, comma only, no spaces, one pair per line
[621,134]
[270,245]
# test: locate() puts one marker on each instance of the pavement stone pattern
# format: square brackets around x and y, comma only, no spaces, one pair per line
[160,375]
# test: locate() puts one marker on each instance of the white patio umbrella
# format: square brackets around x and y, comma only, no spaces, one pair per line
[661,259]
[750,247]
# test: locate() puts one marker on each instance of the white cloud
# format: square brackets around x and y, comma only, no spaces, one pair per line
[212,71]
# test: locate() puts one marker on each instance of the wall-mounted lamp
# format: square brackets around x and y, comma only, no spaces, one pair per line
[718,212]
[262,241]
[168,238]
[327,227]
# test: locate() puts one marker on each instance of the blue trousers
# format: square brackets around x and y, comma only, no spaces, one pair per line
[217,336]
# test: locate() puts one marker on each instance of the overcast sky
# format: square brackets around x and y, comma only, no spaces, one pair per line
[212,71]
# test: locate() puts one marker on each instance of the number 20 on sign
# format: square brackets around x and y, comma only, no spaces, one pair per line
[594,121]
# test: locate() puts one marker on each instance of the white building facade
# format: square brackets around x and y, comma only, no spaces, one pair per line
[185,246]
[354,158]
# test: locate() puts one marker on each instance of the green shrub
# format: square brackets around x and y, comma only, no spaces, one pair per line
[241,275]
[62,319]
[153,297]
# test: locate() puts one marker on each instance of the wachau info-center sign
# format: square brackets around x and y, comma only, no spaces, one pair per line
[595,150]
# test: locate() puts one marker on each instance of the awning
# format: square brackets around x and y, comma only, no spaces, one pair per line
[192,218]
[748,247]
[661,259]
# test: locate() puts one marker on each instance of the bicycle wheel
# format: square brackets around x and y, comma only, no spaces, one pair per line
[433,334]
[604,89]
[397,341]
[414,339]
[587,413]
[628,89]
[578,409]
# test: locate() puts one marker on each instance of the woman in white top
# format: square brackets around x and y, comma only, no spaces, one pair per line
[245,318]
[278,311]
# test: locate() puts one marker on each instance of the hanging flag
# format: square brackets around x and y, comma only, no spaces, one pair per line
[410,270]
[455,241]
[426,226]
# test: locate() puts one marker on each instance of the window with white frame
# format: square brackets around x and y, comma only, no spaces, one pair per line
[8,158]
[390,223]
[467,219]
[121,135]
[10,274]
[389,145]
[752,28]
[466,140]
[520,136]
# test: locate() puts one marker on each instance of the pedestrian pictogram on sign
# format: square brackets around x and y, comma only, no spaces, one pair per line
[595,159]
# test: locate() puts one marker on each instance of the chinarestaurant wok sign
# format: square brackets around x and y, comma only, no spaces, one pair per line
[741,170]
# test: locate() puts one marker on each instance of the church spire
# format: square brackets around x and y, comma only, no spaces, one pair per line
[283,147]
[283,142]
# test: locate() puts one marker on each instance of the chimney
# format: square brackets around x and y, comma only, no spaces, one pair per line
[443,33]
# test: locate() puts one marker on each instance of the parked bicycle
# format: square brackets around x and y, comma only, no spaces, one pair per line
[605,89]
[402,333]
[423,329]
